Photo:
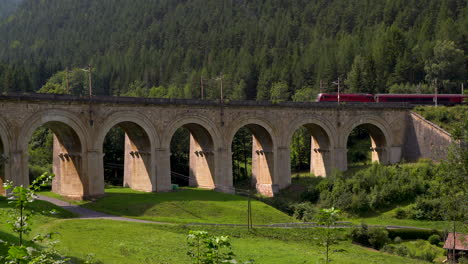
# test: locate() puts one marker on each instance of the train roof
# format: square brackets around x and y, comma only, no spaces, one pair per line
[422,95]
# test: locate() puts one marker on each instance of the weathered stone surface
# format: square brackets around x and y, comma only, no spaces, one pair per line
[80,126]
[425,140]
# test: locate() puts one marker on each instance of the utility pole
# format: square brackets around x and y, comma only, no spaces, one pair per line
[338,84]
[338,90]
[435,92]
[222,96]
[67,81]
[201,83]
[321,86]
[462,89]
[90,82]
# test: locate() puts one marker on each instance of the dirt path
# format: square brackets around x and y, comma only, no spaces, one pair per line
[85,213]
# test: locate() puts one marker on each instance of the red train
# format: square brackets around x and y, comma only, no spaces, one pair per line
[442,99]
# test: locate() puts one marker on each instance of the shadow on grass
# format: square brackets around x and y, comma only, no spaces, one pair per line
[39,208]
[126,202]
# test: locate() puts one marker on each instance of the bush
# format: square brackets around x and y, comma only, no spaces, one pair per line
[397,240]
[411,233]
[378,237]
[304,211]
[423,251]
[360,235]
[311,194]
[434,239]
[400,250]
[400,213]
[377,187]
[375,237]
[427,209]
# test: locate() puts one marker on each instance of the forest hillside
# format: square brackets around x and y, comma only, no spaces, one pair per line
[260,49]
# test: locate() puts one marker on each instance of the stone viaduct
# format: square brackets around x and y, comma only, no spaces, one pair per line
[81,124]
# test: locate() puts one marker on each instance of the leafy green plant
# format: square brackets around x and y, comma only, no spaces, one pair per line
[327,235]
[375,237]
[21,253]
[434,239]
[208,249]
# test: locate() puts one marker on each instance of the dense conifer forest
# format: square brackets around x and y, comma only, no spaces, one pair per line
[260,49]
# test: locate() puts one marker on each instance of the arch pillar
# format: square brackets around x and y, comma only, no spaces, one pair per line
[138,174]
[341,158]
[95,173]
[68,169]
[163,170]
[202,162]
[223,176]
[263,170]
[283,168]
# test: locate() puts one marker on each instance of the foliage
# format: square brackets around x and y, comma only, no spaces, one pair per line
[40,152]
[449,118]
[114,156]
[375,188]
[306,211]
[434,239]
[21,197]
[411,233]
[326,236]
[209,249]
[174,46]
[375,237]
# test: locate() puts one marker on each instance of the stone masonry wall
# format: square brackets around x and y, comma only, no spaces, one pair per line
[424,139]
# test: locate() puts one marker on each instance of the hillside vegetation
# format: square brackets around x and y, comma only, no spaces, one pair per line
[448,118]
[261,49]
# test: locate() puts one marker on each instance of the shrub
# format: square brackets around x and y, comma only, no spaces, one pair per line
[423,251]
[311,194]
[397,240]
[304,211]
[400,213]
[434,239]
[378,237]
[400,250]
[411,233]
[360,235]
[375,237]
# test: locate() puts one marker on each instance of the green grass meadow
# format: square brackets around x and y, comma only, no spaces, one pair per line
[185,206]
[116,242]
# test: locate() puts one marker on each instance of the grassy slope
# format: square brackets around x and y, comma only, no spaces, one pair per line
[120,242]
[185,206]
[445,117]
[41,217]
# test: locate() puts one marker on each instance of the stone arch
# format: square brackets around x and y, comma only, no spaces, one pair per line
[5,141]
[378,130]
[204,146]
[69,151]
[322,142]
[140,141]
[264,143]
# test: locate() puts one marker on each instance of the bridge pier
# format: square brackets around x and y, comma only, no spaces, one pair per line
[223,177]
[163,170]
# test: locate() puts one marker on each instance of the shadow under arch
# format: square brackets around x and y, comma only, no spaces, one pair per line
[69,155]
[380,139]
[5,140]
[320,149]
[204,141]
[69,180]
[263,147]
[140,141]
